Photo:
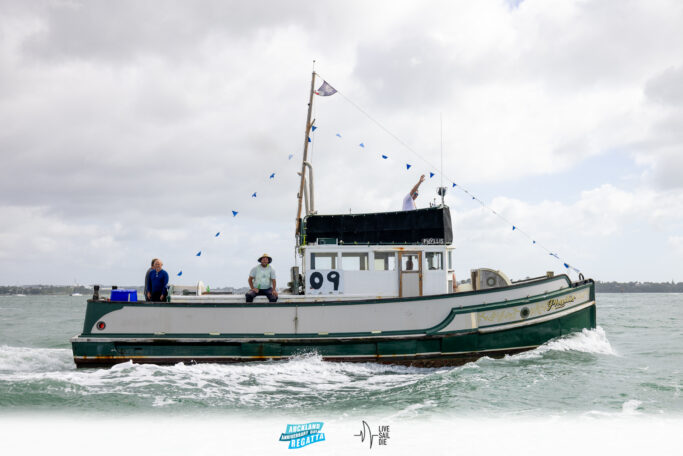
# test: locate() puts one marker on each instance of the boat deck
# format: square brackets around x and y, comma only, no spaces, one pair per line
[282,298]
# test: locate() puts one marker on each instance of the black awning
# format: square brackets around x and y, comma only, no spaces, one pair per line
[421,226]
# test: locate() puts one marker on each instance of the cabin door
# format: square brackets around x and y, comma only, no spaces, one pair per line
[410,274]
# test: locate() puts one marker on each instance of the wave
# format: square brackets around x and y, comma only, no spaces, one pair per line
[593,341]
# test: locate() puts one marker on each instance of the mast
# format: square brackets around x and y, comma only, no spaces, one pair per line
[305,157]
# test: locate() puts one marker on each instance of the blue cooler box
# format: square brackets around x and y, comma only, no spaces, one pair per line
[124,295]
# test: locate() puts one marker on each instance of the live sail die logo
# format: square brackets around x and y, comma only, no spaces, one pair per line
[380,437]
[301,435]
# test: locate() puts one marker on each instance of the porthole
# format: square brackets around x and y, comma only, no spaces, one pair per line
[101,325]
[524,313]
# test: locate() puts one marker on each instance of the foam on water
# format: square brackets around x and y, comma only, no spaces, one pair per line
[305,379]
[24,359]
[587,341]
[630,408]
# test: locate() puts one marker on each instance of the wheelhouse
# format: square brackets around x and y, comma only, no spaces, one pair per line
[389,254]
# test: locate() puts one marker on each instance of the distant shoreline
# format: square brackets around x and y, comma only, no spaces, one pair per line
[600,287]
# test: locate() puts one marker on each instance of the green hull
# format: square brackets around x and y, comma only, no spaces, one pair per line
[426,350]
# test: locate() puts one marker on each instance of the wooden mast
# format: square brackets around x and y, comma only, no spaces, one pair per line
[305,157]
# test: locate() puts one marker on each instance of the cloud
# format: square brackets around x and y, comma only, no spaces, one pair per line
[667,88]
[676,242]
[93,30]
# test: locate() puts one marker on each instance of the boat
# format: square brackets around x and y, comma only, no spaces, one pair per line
[376,287]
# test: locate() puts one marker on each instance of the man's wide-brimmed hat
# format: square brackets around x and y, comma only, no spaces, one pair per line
[265,255]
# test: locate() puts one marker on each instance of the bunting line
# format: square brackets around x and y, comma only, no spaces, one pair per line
[235,212]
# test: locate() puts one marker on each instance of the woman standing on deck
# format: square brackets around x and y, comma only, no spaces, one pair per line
[156,282]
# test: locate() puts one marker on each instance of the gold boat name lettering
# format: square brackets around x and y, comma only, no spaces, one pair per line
[560,303]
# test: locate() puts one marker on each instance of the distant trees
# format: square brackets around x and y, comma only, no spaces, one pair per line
[639,287]
[44,290]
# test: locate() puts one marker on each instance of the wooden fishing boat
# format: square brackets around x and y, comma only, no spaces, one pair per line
[376,287]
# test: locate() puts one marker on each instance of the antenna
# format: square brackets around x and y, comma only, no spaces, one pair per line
[442,190]
[441,130]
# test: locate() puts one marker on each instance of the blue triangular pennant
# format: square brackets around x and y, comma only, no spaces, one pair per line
[180,273]
[234,213]
[514,227]
[454,184]
[253,195]
[218,234]
[313,128]
[362,145]
[338,135]
[384,157]
[272,176]
[199,253]
[290,156]
[431,174]
[408,165]
[309,139]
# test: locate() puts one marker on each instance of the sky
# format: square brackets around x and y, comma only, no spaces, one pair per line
[132,129]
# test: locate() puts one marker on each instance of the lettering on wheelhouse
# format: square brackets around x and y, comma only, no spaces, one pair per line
[433,241]
[559,303]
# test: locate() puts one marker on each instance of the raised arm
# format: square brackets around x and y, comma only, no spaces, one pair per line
[414,189]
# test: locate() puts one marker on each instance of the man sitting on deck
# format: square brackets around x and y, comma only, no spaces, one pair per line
[262,280]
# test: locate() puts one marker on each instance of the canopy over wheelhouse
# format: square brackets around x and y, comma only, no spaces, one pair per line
[430,226]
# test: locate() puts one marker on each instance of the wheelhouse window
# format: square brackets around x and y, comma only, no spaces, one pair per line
[385,261]
[434,260]
[323,260]
[450,259]
[410,262]
[355,261]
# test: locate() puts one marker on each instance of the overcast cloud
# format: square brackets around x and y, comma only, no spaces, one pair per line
[132,129]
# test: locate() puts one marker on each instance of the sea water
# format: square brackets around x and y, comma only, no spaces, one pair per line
[631,365]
